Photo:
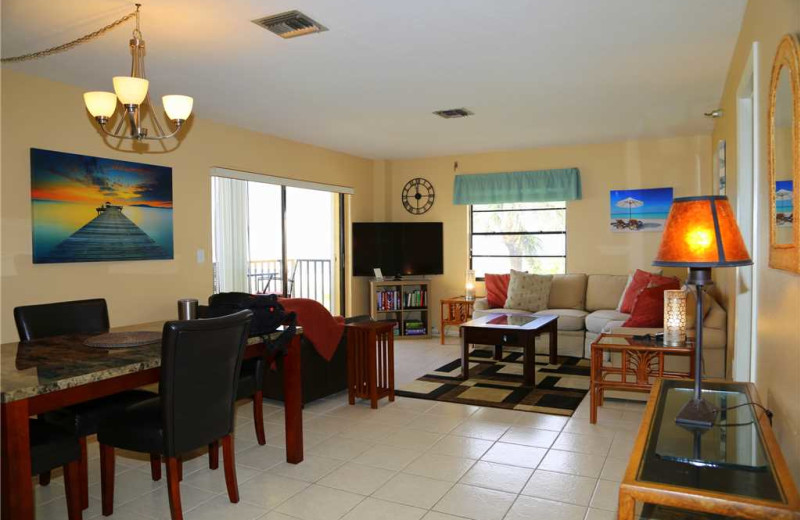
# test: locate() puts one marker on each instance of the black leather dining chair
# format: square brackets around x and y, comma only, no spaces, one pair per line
[51,447]
[74,317]
[200,365]
[251,384]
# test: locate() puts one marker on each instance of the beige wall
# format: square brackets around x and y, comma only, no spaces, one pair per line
[682,162]
[44,114]
[778,328]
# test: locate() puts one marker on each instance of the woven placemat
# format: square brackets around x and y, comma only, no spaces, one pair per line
[134,338]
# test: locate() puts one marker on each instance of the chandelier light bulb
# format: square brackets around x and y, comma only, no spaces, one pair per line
[130,90]
[100,104]
[177,107]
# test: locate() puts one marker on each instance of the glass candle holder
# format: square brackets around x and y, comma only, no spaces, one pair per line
[674,318]
[469,285]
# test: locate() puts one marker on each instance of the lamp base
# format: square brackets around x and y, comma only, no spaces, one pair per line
[697,413]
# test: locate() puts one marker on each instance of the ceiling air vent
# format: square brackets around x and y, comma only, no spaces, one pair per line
[290,24]
[453,113]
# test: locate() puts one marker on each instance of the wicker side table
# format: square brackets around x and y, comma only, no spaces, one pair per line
[455,311]
[370,361]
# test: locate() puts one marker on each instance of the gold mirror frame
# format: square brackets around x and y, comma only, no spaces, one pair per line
[785,256]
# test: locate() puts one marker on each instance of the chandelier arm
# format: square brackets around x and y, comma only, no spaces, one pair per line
[147,138]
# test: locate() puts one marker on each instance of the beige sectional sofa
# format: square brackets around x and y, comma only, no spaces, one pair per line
[586,306]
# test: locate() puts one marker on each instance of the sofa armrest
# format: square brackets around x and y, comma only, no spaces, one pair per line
[481,304]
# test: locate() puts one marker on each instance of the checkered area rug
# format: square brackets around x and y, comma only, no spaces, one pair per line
[559,388]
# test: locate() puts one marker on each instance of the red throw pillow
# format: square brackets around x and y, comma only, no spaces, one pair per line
[497,289]
[648,309]
[639,282]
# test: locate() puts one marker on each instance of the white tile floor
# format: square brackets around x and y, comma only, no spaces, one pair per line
[410,459]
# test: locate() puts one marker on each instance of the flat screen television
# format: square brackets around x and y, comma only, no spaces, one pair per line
[397,248]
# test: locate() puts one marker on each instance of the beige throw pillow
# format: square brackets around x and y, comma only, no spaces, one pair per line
[528,292]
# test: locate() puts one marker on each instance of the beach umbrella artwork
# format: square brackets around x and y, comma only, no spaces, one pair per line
[783,195]
[630,203]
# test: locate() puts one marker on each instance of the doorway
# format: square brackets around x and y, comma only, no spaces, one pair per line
[747,161]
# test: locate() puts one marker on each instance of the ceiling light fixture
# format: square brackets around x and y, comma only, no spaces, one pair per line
[132,92]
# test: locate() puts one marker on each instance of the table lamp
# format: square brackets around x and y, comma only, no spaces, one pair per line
[700,233]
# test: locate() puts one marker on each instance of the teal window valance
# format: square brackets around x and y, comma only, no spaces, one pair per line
[535,186]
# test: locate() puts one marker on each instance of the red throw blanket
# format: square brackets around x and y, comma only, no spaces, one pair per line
[321,328]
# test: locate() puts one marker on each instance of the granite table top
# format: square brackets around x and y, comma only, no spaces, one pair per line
[31,368]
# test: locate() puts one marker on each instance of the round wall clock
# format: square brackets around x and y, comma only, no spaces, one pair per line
[418,196]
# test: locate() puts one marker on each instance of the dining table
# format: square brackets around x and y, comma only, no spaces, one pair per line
[51,373]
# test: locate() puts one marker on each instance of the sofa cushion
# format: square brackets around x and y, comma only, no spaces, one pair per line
[479,313]
[528,292]
[568,291]
[568,319]
[603,291]
[596,321]
[497,289]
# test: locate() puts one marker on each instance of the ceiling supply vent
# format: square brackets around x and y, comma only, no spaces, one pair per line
[290,24]
[453,113]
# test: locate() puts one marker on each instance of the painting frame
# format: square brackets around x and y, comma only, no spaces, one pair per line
[96,209]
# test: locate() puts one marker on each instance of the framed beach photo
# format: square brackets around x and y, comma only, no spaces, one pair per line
[91,209]
[634,211]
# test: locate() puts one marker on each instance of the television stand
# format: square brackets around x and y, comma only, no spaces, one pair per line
[404,301]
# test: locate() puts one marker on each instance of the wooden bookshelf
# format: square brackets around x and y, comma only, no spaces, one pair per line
[404,301]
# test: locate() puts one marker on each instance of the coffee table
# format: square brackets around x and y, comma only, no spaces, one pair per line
[513,330]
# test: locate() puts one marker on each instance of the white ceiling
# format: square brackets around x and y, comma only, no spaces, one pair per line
[535,72]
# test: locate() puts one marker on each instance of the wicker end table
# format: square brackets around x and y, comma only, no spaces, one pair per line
[455,311]
[642,362]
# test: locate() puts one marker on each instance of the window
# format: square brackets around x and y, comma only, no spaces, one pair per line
[272,238]
[524,236]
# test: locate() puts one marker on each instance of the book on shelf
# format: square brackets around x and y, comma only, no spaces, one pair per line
[417,298]
[388,300]
[415,328]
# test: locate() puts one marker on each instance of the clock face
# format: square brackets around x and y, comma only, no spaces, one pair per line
[418,196]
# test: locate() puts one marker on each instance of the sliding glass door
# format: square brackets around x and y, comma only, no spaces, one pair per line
[288,239]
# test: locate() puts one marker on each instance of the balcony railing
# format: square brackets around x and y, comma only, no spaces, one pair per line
[306,278]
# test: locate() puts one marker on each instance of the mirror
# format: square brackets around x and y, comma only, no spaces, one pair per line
[782,136]
[783,128]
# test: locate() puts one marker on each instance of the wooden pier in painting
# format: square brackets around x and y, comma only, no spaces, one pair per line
[109,236]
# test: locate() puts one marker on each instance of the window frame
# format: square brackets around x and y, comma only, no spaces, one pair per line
[472,234]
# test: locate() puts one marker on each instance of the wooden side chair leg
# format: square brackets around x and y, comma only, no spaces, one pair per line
[230,468]
[107,478]
[213,455]
[180,468]
[258,416]
[174,487]
[72,484]
[44,478]
[83,473]
[155,466]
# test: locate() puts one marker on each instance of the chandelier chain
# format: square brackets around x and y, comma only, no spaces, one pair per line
[73,43]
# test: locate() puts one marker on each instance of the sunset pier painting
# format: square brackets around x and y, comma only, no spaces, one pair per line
[89,209]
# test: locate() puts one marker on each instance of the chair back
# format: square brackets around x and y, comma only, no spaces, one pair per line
[57,319]
[200,364]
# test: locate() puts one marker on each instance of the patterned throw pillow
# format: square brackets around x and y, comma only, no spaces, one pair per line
[528,292]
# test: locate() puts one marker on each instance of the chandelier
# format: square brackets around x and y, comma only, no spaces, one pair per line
[132,93]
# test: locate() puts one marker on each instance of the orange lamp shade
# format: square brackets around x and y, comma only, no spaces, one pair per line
[702,232]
